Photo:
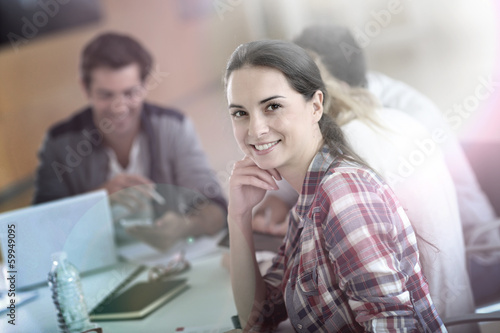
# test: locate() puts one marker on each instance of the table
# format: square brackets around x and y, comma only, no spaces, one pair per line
[207,303]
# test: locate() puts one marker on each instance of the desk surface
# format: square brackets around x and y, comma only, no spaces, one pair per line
[207,303]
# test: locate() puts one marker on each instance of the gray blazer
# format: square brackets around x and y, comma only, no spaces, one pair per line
[72,159]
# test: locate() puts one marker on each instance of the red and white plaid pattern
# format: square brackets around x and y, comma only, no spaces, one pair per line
[349,262]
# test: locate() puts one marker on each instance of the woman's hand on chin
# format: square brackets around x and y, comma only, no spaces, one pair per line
[248,185]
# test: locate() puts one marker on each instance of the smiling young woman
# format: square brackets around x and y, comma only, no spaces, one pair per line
[273,124]
[349,261]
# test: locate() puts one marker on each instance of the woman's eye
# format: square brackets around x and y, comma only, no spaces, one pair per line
[238,114]
[273,107]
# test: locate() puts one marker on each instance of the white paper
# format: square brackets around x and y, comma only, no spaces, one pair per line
[145,254]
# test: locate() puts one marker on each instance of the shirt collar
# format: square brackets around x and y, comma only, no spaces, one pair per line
[138,159]
[321,163]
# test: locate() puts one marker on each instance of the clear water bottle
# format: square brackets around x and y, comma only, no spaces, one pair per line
[64,282]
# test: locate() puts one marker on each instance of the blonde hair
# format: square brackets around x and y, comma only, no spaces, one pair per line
[346,103]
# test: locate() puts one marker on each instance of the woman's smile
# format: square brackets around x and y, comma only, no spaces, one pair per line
[264,148]
[272,123]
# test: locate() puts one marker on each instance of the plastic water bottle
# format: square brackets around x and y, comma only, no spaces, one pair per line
[64,282]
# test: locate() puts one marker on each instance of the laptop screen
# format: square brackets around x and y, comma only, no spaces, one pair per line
[80,225]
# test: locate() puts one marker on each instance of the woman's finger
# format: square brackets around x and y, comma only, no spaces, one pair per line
[255,171]
[247,161]
[276,175]
[264,181]
[256,182]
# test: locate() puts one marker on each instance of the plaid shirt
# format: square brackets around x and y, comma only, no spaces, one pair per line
[349,262]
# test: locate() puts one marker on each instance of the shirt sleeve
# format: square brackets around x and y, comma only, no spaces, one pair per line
[191,167]
[273,310]
[49,179]
[374,252]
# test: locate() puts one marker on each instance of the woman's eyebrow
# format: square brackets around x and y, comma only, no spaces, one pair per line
[270,98]
[261,102]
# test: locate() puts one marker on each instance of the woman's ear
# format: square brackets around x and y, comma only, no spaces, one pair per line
[317,104]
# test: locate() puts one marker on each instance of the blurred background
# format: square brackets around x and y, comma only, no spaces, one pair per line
[443,48]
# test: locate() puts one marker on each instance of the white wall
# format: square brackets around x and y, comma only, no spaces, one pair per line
[441,47]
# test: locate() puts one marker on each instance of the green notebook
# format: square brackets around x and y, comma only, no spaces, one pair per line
[139,300]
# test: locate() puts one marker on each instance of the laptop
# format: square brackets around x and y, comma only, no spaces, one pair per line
[80,225]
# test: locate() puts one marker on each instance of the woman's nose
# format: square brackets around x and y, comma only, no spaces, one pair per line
[258,126]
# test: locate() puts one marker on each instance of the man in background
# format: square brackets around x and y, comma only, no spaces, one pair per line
[147,157]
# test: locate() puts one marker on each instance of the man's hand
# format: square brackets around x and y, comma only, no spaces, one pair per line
[205,219]
[125,180]
[168,229]
[129,190]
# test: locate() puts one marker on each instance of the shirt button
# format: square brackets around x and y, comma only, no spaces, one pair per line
[299,326]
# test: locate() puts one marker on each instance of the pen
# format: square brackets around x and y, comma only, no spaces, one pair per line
[157,197]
